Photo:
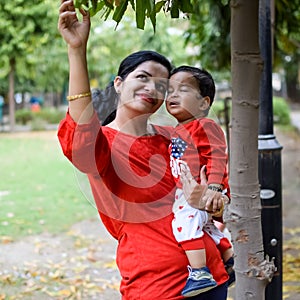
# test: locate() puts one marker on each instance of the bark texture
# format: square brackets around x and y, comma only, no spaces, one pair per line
[243,215]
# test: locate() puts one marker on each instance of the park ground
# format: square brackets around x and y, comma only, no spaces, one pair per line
[80,263]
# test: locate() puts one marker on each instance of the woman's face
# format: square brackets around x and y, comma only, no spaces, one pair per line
[143,90]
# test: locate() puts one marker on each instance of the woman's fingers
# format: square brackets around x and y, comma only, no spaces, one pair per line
[65,19]
[214,201]
[219,211]
[74,32]
[188,184]
[66,14]
[66,6]
[203,178]
[193,191]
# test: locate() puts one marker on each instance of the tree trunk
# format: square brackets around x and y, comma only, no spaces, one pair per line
[243,215]
[11,95]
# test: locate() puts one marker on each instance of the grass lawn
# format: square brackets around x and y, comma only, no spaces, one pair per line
[39,188]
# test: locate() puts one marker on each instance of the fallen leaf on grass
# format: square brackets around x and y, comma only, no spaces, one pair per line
[62,293]
[75,277]
[291,268]
[56,275]
[31,289]
[6,239]
[7,279]
[113,286]
[91,256]
[112,265]
[292,231]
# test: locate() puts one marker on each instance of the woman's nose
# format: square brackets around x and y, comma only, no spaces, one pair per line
[150,86]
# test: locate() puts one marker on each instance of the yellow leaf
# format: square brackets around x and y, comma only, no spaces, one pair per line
[66,293]
[112,264]
[73,289]
[43,279]
[6,239]
[113,286]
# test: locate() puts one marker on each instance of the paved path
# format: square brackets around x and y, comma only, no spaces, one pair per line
[295,118]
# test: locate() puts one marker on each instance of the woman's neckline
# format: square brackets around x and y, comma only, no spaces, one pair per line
[150,130]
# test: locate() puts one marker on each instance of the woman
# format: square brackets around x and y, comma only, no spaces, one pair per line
[127,164]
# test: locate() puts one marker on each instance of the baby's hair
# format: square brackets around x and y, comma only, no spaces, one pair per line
[205,81]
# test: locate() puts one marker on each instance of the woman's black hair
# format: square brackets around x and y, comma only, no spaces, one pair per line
[205,80]
[105,102]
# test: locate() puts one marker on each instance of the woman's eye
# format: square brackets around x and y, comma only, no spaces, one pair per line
[142,77]
[160,87]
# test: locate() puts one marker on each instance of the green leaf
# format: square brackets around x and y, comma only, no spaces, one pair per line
[109,4]
[159,5]
[185,6]
[95,9]
[81,3]
[119,11]
[106,13]
[94,4]
[175,9]
[225,2]
[151,12]
[140,14]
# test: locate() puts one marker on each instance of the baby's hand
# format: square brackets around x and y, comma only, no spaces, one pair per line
[214,201]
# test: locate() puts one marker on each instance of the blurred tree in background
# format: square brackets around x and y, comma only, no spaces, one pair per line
[209,33]
[24,28]
[33,55]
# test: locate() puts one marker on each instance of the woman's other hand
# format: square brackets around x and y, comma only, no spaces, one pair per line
[214,202]
[198,196]
[74,32]
[193,191]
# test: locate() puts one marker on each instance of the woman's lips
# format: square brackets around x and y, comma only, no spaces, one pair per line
[148,98]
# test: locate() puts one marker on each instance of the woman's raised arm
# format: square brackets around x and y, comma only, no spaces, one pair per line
[76,33]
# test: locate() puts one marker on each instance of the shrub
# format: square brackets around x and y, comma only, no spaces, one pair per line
[281,111]
[23,116]
[50,115]
[38,124]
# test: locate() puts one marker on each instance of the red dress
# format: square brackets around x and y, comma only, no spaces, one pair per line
[134,190]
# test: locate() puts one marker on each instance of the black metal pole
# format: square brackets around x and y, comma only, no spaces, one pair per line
[269,159]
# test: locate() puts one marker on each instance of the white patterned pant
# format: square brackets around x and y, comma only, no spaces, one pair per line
[189,222]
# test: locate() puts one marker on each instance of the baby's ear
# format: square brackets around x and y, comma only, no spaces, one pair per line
[205,103]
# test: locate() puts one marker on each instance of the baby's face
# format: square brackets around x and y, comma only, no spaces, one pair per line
[184,100]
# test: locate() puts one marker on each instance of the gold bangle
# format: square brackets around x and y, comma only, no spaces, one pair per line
[78,96]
